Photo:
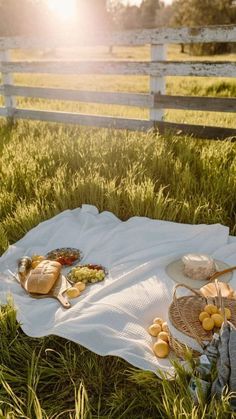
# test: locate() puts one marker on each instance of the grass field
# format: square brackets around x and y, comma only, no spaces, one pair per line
[47,168]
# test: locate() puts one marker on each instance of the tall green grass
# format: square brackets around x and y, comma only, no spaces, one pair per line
[48,168]
[52,378]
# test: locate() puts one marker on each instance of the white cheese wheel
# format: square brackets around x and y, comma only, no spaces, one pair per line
[198,266]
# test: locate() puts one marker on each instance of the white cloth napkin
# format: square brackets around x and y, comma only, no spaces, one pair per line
[112,317]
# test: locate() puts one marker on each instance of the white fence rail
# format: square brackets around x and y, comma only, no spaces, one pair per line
[157,69]
[222,33]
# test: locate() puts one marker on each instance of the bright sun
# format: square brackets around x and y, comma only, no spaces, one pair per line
[65,9]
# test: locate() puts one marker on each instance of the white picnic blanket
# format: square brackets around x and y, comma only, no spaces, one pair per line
[112,317]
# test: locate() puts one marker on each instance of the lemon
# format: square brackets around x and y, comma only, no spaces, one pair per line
[38,258]
[165,327]
[35,263]
[80,285]
[163,336]
[227,313]
[211,309]
[203,315]
[158,320]
[161,349]
[214,309]
[208,324]
[72,292]
[154,329]
[218,319]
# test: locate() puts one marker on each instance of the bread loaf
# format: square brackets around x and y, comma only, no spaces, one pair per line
[209,290]
[41,279]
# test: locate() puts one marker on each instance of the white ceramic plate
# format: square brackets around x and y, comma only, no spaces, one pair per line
[175,270]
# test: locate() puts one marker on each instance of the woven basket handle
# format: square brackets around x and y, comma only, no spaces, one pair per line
[189,288]
[187,324]
[220,300]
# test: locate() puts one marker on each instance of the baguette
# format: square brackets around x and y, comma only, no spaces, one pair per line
[41,279]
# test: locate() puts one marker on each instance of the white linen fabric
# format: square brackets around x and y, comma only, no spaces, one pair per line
[112,317]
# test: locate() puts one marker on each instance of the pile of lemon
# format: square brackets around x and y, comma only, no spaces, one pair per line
[212,317]
[75,291]
[160,330]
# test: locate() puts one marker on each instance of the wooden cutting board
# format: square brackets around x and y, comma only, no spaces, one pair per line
[56,292]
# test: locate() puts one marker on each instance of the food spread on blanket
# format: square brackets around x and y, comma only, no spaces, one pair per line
[35,260]
[24,265]
[197,266]
[88,274]
[160,330]
[38,279]
[76,290]
[66,256]
[42,278]
[38,274]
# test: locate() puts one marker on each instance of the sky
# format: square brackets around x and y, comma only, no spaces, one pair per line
[65,9]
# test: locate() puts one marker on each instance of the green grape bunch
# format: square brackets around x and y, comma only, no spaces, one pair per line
[88,274]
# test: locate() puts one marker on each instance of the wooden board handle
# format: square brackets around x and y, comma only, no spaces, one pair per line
[63,300]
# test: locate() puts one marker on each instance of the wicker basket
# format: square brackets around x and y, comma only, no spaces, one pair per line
[184,324]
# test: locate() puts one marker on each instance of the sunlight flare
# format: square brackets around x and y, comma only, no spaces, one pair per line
[64,9]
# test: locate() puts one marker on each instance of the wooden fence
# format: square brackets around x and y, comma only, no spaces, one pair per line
[157,69]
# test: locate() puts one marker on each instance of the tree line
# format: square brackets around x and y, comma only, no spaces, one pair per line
[32,17]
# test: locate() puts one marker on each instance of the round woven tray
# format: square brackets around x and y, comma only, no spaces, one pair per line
[183,317]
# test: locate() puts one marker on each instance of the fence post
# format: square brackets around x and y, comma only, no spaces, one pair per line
[7,80]
[157,84]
